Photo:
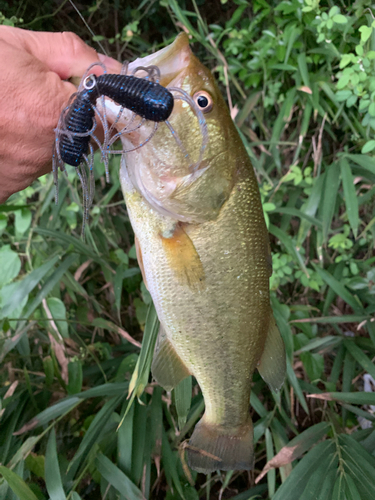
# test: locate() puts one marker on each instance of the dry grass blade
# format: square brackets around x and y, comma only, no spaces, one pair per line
[295,448]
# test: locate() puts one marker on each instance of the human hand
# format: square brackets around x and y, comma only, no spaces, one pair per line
[33,68]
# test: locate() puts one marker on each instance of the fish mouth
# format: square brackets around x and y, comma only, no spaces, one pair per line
[174,62]
[171,60]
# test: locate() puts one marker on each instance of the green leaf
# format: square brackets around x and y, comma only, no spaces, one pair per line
[118,479]
[368,147]
[365,33]
[24,450]
[170,465]
[297,213]
[339,489]
[58,312]
[351,101]
[371,109]
[360,356]
[343,95]
[313,364]
[125,440]
[141,373]
[10,265]
[351,490]
[65,405]
[24,287]
[52,470]
[289,245]
[359,412]
[310,208]
[271,476]
[77,244]
[319,343]
[75,377]
[156,420]
[117,286]
[17,485]
[182,397]
[35,464]
[93,433]
[22,220]
[49,370]
[140,429]
[314,482]
[358,398]
[345,60]
[359,465]
[293,380]
[318,459]
[339,19]
[291,36]
[48,286]
[62,407]
[302,64]
[339,289]
[366,162]
[327,484]
[12,208]
[331,187]
[351,200]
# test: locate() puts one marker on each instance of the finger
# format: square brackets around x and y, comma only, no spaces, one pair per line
[112,65]
[63,53]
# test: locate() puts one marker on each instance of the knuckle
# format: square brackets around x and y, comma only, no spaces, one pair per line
[74,44]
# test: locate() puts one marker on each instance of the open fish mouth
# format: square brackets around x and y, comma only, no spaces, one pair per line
[171,60]
[163,156]
[170,65]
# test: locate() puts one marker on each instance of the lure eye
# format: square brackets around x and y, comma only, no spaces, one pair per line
[203,100]
[89,82]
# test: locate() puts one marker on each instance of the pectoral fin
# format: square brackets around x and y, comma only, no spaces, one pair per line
[183,258]
[272,366]
[167,367]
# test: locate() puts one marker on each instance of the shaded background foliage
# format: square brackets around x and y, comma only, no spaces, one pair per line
[299,79]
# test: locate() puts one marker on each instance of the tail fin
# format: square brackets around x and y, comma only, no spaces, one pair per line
[213,447]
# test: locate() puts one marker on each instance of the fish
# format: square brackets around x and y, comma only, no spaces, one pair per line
[203,249]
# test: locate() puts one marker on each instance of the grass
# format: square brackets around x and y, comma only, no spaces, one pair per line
[299,81]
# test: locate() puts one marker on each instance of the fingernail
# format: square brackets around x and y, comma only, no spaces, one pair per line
[111,64]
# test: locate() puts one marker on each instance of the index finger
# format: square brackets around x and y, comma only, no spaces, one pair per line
[63,53]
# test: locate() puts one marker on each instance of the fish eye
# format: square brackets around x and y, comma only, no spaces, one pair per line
[204,101]
[89,82]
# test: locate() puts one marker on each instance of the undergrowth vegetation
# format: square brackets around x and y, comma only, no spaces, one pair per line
[299,77]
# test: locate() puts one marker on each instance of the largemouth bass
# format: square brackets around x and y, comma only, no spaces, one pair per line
[203,248]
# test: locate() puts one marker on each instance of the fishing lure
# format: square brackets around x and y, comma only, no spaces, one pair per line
[145,97]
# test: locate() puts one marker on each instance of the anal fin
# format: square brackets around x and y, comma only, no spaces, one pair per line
[272,366]
[183,258]
[167,367]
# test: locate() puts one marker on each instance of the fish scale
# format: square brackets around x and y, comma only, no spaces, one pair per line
[204,253]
